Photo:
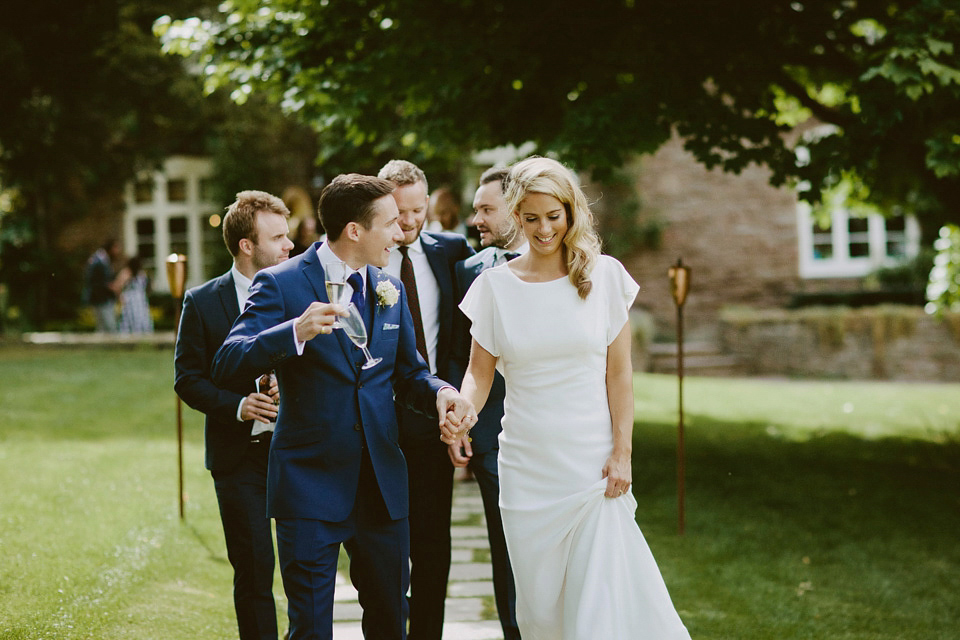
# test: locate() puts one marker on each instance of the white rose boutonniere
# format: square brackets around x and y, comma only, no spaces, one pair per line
[387,294]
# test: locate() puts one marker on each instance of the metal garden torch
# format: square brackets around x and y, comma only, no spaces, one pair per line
[679,287]
[177,278]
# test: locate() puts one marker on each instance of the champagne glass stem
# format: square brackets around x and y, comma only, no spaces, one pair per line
[371,361]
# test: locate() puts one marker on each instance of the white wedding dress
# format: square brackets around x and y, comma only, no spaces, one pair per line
[582,568]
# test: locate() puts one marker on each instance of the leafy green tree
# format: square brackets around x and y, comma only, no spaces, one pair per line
[595,82]
[87,98]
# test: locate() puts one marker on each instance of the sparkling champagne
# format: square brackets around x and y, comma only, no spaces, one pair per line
[335,291]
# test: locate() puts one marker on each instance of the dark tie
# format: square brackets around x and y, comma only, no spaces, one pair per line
[410,284]
[510,255]
[356,282]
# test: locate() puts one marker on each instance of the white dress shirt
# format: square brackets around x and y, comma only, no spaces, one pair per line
[242,284]
[428,293]
[326,256]
[500,255]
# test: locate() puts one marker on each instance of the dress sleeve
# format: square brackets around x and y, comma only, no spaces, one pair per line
[479,306]
[621,290]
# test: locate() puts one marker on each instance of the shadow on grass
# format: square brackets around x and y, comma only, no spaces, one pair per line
[781,535]
[214,553]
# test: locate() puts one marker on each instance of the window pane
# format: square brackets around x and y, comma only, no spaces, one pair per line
[859,249]
[146,244]
[822,251]
[177,228]
[143,191]
[857,225]
[177,190]
[896,244]
[896,223]
[822,240]
[206,189]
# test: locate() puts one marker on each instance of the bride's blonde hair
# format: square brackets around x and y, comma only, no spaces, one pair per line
[581,244]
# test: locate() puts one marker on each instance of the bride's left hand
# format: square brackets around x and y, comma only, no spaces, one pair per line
[618,473]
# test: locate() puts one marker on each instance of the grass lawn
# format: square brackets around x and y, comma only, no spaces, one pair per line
[820,510]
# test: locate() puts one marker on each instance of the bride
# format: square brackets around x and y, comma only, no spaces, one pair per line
[554,323]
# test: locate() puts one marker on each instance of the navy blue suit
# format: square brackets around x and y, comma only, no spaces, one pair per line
[485,445]
[431,472]
[238,466]
[336,473]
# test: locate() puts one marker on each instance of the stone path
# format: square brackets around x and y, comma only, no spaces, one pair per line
[470,612]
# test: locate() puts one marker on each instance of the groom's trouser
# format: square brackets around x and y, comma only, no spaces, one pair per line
[242,496]
[379,551]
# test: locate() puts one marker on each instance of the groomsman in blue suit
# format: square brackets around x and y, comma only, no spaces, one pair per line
[239,419]
[336,474]
[424,262]
[479,450]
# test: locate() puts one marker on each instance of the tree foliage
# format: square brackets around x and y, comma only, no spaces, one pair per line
[595,82]
[87,99]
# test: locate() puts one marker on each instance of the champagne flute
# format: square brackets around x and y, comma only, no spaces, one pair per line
[353,326]
[336,281]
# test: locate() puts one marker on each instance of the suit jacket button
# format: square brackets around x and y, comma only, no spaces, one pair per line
[356,427]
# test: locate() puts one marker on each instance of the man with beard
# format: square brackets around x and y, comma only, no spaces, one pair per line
[478,451]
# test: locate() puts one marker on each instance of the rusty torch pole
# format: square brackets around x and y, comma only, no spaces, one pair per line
[177,278]
[679,287]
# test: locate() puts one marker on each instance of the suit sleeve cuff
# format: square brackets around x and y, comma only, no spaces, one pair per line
[300,345]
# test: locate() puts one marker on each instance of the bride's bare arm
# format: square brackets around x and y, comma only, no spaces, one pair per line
[475,387]
[617,470]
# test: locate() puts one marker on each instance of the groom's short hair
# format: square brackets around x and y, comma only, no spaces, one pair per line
[349,198]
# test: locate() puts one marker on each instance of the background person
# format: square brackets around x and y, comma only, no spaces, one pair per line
[132,285]
[98,292]
[239,419]
[443,212]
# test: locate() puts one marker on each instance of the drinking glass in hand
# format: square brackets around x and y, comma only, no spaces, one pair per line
[336,281]
[353,325]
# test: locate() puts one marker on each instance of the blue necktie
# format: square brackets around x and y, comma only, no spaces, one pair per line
[356,281]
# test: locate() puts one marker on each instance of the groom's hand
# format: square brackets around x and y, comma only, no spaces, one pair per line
[317,319]
[457,414]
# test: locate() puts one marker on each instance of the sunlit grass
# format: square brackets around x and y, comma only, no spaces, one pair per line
[814,510]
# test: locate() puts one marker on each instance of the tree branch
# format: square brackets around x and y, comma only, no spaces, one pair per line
[820,110]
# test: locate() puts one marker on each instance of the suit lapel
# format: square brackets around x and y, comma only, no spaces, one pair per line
[227,290]
[313,272]
[437,259]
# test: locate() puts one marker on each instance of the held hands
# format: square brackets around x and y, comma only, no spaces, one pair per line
[317,319]
[460,452]
[457,415]
[618,473]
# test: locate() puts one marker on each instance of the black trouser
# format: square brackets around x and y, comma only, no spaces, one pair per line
[431,493]
[242,495]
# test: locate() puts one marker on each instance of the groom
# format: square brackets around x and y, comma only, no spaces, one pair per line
[336,474]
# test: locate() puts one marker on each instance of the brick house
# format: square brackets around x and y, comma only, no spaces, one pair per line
[746,242]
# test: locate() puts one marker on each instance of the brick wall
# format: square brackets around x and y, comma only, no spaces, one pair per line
[884,342]
[737,233]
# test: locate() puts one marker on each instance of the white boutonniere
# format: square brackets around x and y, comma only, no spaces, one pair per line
[387,294]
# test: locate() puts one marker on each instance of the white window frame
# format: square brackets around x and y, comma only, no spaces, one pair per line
[196,210]
[841,264]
